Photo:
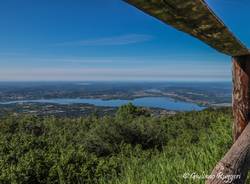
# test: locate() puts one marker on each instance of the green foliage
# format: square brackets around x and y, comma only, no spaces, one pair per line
[107,137]
[131,147]
[130,111]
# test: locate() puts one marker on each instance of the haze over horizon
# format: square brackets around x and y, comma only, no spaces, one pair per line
[108,40]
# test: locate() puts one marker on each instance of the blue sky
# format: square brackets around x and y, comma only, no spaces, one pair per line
[108,40]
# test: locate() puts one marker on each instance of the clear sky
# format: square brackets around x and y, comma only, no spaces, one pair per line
[108,40]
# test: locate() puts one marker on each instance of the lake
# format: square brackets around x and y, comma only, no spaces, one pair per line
[155,102]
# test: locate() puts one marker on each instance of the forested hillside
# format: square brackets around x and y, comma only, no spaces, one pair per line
[132,147]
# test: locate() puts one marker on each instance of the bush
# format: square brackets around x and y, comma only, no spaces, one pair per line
[107,136]
[130,111]
[131,147]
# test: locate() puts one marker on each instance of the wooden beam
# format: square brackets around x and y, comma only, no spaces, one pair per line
[241,94]
[195,18]
[234,167]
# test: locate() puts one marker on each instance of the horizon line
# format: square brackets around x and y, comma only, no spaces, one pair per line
[115,80]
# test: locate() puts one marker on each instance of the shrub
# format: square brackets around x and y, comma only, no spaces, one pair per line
[136,149]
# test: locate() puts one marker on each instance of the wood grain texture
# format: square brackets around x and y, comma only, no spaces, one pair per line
[241,94]
[234,167]
[195,18]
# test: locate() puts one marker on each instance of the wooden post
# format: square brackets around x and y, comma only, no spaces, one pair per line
[234,167]
[241,94]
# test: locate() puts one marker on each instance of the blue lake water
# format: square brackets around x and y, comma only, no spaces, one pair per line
[156,102]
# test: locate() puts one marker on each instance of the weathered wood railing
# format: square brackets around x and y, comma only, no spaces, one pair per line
[197,19]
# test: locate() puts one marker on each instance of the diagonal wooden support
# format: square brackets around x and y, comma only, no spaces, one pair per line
[233,168]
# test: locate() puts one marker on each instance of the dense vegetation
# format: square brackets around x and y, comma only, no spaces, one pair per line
[132,147]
